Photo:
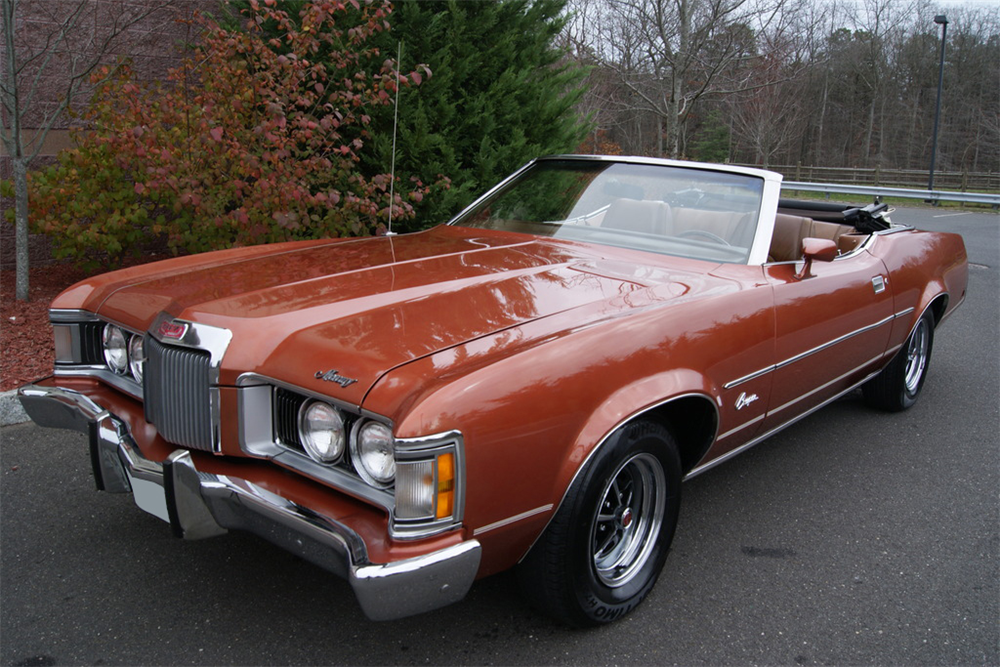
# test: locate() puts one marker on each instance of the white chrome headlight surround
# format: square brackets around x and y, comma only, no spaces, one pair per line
[136,357]
[322,431]
[115,348]
[373,450]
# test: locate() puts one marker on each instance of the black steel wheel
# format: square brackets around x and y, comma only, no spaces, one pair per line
[604,549]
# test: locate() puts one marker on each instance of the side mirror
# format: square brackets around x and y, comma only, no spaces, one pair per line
[820,250]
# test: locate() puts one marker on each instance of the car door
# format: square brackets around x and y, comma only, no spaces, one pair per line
[832,324]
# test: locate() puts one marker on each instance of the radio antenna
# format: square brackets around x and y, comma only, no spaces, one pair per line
[395,123]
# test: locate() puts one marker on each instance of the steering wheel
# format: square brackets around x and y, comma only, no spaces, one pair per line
[706,234]
[685,198]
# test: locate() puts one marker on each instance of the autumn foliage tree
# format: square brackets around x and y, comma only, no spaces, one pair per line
[504,91]
[254,138]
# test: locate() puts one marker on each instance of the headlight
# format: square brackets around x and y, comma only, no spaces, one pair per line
[374,454]
[321,429]
[115,348]
[136,357]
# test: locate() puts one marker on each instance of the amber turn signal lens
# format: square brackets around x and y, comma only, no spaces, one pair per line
[445,485]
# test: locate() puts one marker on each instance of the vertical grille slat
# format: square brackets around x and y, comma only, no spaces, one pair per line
[91,344]
[178,394]
[286,408]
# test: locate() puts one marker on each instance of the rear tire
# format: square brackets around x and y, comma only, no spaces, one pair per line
[896,388]
[606,545]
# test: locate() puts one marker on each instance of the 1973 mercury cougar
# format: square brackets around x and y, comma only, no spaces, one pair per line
[527,385]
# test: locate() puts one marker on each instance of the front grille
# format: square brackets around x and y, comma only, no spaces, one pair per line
[177,394]
[92,343]
[286,412]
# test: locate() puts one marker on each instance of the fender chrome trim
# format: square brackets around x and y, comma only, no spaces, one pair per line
[512,519]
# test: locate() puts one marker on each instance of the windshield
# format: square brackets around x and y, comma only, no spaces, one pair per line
[697,213]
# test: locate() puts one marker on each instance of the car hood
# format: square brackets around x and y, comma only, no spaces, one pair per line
[334,317]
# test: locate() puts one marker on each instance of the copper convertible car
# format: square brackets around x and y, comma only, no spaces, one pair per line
[527,385]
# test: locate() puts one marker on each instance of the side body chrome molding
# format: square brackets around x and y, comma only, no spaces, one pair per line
[760,438]
[818,348]
[889,353]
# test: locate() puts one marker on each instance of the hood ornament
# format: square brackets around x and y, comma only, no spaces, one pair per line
[172,329]
[336,377]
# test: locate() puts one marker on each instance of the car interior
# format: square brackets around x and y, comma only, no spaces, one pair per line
[727,227]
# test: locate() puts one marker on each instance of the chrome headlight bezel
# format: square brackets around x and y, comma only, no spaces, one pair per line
[80,350]
[427,494]
[430,485]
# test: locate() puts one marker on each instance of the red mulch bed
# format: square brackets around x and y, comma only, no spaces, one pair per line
[27,351]
[25,332]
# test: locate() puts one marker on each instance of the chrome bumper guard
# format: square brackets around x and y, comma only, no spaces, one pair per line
[199,505]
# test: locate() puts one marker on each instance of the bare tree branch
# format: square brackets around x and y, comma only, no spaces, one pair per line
[30,57]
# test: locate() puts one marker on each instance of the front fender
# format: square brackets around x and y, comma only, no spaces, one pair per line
[648,396]
[522,449]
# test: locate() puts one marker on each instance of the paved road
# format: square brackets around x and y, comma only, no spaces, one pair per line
[852,537]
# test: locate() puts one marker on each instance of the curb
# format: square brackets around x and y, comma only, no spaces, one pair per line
[11,411]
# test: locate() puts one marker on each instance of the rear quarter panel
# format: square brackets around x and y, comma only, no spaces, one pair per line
[922,267]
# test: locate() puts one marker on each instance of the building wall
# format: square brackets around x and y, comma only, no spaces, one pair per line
[72,33]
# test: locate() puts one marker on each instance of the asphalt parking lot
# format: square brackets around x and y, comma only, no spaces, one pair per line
[853,537]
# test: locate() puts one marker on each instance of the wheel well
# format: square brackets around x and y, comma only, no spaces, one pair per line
[938,306]
[692,420]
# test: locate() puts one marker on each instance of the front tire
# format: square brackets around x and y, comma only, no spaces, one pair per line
[606,545]
[896,388]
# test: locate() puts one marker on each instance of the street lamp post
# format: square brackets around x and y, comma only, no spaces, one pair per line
[942,21]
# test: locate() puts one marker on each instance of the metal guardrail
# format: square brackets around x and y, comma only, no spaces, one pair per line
[904,193]
[952,181]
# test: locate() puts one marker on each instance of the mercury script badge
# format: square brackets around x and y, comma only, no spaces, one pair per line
[334,376]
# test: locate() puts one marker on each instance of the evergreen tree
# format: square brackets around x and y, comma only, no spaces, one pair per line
[711,139]
[500,94]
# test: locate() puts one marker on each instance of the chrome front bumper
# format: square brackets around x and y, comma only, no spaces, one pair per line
[199,504]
